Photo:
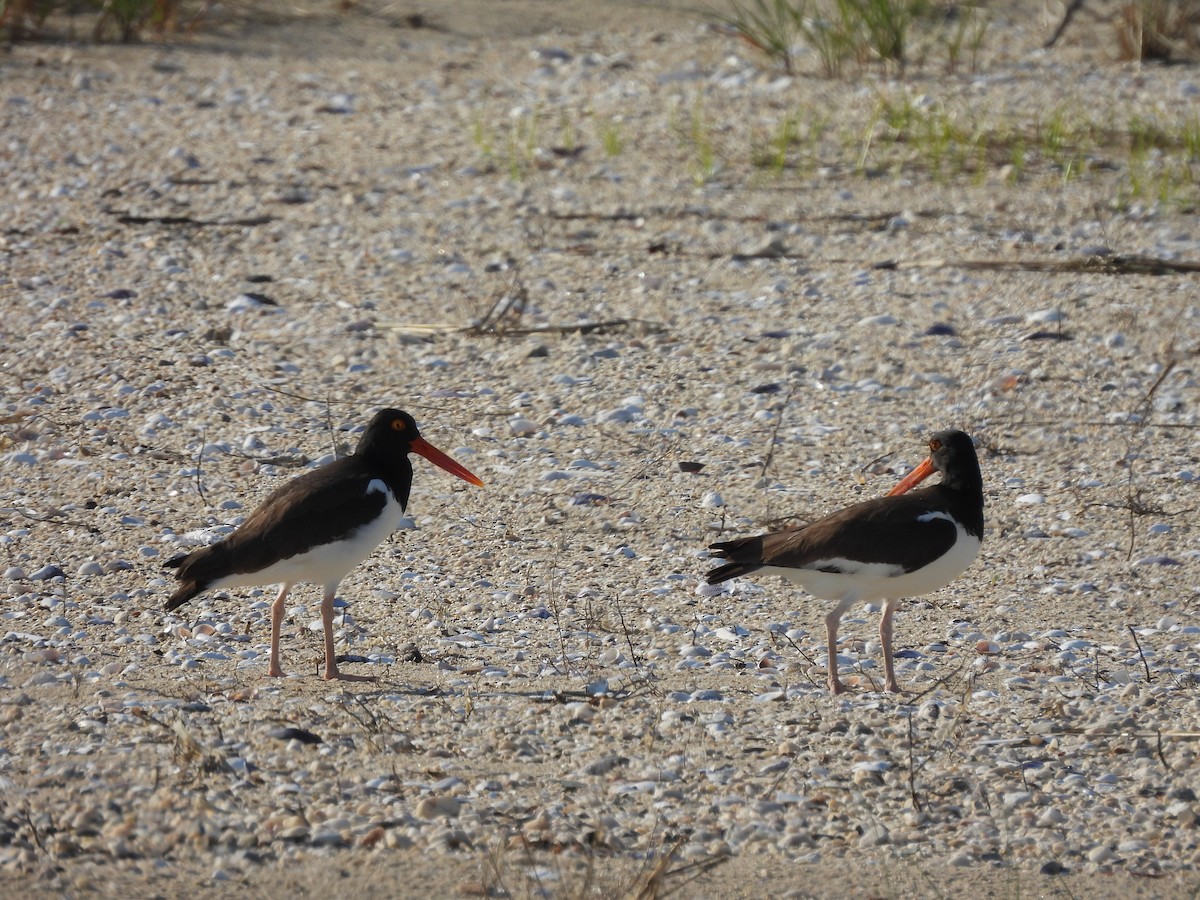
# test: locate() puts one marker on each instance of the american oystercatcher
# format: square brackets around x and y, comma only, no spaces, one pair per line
[883,549]
[318,527]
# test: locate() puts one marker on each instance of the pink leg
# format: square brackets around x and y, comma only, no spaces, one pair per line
[831,629]
[274,670]
[331,669]
[885,640]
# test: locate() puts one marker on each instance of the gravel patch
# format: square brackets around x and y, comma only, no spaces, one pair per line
[220,258]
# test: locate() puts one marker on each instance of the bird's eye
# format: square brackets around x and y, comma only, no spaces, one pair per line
[398,425]
[935,445]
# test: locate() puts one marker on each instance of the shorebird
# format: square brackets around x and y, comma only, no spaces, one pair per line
[901,545]
[317,527]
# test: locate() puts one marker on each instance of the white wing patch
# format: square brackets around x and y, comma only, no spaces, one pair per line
[881,581]
[839,566]
[931,516]
[376,486]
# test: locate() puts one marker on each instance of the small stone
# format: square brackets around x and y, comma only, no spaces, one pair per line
[1100,854]
[874,836]
[1051,817]
[522,427]
[295,834]
[438,808]
[940,329]
[1045,317]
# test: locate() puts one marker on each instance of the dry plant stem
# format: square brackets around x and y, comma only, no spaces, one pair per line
[126,218]
[1132,502]
[1161,755]
[775,431]
[1107,265]
[633,654]
[1073,7]
[200,467]
[1141,654]
[912,772]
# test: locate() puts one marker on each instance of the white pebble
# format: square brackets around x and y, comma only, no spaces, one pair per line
[1045,317]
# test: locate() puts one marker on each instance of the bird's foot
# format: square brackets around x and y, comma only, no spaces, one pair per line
[836,686]
[276,672]
[893,687]
[335,675]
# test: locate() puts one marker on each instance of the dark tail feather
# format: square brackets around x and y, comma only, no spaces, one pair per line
[731,550]
[730,570]
[195,580]
[186,592]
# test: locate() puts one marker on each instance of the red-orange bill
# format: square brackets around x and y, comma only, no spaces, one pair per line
[913,478]
[438,458]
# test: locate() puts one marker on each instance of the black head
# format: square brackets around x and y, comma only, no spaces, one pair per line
[392,435]
[953,454]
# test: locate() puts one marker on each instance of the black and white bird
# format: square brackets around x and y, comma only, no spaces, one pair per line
[902,545]
[317,527]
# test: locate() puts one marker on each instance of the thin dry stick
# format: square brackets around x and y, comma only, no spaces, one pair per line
[775,431]
[57,520]
[1162,757]
[1141,654]
[1167,369]
[912,771]
[329,425]
[293,394]
[1143,408]
[633,654]
[1073,7]
[199,467]
[33,829]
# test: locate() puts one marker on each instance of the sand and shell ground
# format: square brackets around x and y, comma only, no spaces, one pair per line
[584,244]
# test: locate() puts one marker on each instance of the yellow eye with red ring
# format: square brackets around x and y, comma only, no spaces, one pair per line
[399,425]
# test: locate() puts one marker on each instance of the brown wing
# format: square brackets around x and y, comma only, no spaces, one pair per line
[316,508]
[893,531]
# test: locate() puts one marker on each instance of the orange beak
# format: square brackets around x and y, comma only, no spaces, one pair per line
[913,478]
[438,458]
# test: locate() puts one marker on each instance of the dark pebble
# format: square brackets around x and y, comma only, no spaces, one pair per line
[1048,336]
[588,499]
[295,734]
[940,329]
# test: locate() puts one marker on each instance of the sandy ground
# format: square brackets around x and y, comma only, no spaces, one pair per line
[372,171]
